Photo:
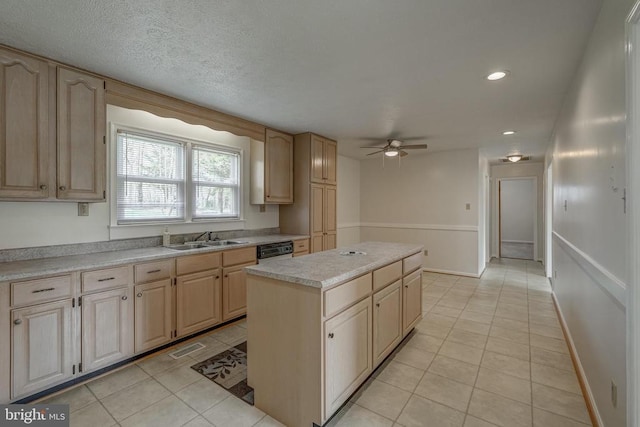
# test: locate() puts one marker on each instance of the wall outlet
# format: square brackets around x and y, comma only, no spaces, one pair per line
[426,252]
[614,394]
[555,274]
[263,208]
[468,206]
[83,209]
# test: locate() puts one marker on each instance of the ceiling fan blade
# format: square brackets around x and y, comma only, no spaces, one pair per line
[375,152]
[403,153]
[373,146]
[414,147]
[413,138]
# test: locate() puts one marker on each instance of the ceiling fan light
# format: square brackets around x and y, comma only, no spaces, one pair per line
[509,132]
[391,153]
[514,157]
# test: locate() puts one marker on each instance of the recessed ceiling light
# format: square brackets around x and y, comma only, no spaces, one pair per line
[497,75]
[509,132]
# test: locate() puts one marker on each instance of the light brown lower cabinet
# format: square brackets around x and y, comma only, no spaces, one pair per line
[153,310]
[42,347]
[198,303]
[348,358]
[411,300]
[387,320]
[107,336]
[234,291]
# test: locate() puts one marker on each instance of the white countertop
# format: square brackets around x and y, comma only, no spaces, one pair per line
[329,268]
[16,270]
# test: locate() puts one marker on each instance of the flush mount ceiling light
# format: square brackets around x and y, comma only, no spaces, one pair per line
[509,132]
[514,157]
[497,75]
[392,152]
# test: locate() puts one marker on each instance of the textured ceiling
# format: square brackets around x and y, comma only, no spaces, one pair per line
[349,70]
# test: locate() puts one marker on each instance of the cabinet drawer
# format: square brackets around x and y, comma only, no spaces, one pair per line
[385,275]
[301,246]
[41,290]
[106,278]
[412,262]
[150,271]
[346,294]
[195,263]
[239,256]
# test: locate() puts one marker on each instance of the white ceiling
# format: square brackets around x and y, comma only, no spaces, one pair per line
[345,69]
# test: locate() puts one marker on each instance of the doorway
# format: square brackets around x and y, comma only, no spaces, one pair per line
[517,218]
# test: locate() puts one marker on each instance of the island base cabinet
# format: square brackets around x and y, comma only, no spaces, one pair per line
[153,312]
[107,325]
[387,321]
[411,300]
[348,359]
[198,304]
[42,347]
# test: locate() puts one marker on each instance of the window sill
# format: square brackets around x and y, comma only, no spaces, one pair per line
[129,231]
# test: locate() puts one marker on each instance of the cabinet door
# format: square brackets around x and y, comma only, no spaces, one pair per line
[329,214]
[198,303]
[317,217]
[387,321]
[41,346]
[107,326]
[317,169]
[81,133]
[278,169]
[348,361]
[330,161]
[234,291]
[411,301]
[152,314]
[24,127]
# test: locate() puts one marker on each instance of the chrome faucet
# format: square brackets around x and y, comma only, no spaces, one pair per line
[206,233]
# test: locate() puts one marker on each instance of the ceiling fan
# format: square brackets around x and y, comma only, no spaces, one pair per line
[395,147]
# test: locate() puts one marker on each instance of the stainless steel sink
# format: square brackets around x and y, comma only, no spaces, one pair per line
[223,242]
[187,246]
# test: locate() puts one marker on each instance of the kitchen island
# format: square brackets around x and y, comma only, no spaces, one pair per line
[318,325]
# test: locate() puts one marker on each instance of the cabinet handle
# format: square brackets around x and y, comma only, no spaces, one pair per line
[217,277]
[124,298]
[377,304]
[406,286]
[330,334]
[17,321]
[43,187]
[226,275]
[139,295]
[62,188]
[106,279]
[154,271]
[42,290]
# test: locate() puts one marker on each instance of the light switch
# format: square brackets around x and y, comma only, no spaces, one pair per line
[468,206]
[83,209]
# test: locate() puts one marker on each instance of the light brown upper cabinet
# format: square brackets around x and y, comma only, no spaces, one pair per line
[24,123]
[313,211]
[323,160]
[52,143]
[81,136]
[272,169]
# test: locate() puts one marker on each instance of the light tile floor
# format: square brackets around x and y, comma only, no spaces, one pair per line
[488,352]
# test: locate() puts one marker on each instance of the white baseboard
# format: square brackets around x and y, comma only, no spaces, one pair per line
[591,403]
[454,273]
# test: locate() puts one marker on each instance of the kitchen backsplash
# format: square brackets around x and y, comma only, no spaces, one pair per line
[20,254]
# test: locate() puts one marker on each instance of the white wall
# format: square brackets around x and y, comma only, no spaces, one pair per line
[348,214]
[484,203]
[29,224]
[517,170]
[589,236]
[423,200]
[517,210]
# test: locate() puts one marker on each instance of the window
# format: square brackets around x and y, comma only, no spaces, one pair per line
[157,183]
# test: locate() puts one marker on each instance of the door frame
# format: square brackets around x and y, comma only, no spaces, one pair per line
[548,220]
[632,35]
[498,232]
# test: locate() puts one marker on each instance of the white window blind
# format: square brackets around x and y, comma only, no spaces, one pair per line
[150,178]
[215,182]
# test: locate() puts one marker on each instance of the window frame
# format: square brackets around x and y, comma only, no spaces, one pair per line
[189,185]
